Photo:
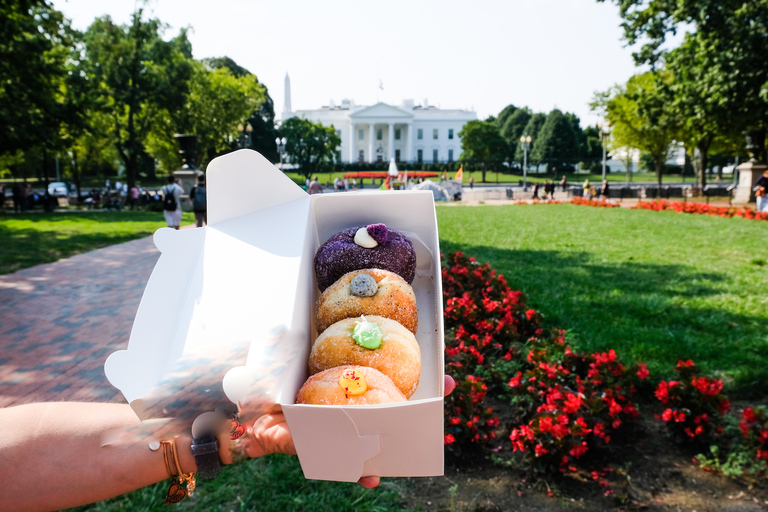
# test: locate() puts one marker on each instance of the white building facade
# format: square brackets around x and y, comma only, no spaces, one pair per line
[381,132]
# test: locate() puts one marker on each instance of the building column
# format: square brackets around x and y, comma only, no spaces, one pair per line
[351,142]
[409,144]
[391,141]
[370,142]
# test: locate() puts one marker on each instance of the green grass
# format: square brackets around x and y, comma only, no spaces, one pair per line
[31,239]
[269,484]
[655,286]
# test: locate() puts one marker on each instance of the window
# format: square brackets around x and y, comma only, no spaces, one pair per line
[378,134]
[434,134]
[434,155]
[420,134]
[361,157]
[450,155]
[338,156]
[450,133]
[379,158]
[338,132]
[420,155]
[397,133]
[359,134]
[397,155]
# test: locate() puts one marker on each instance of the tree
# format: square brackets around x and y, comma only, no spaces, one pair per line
[642,116]
[513,129]
[216,103]
[532,128]
[35,41]
[140,75]
[556,143]
[724,54]
[262,120]
[309,145]
[482,144]
[504,115]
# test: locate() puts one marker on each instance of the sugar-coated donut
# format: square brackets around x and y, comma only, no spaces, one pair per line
[328,388]
[392,298]
[376,247]
[397,356]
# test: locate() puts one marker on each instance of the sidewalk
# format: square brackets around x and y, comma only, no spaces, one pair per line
[60,321]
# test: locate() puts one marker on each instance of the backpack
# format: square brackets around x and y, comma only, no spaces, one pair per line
[169,201]
[198,201]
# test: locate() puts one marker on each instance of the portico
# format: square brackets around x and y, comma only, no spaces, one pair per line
[380,133]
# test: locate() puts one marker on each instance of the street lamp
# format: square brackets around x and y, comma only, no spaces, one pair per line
[280,149]
[246,135]
[603,135]
[525,143]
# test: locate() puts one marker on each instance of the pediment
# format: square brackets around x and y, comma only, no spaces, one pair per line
[381,111]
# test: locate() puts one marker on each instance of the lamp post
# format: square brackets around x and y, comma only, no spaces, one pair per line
[525,143]
[280,149]
[246,135]
[603,135]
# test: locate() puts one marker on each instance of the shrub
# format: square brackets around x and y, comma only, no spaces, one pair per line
[694,405]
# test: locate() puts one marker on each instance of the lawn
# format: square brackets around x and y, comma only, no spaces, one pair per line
[655,286]
[32,239]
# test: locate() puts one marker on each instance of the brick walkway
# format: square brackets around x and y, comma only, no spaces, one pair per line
[60,321]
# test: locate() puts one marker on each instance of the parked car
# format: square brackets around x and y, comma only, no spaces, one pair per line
[58,189]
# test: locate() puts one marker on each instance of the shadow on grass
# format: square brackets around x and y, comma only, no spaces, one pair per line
[23,248]
[658,314]
[91,216]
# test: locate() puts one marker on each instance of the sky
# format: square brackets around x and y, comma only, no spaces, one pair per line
[479,55]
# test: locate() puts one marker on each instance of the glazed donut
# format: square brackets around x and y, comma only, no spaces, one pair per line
[349,385]
[372,341]
[372,246]
[368,292]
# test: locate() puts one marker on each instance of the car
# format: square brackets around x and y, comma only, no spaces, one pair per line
[58,189]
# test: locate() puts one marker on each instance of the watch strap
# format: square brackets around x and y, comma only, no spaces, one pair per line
[206,452]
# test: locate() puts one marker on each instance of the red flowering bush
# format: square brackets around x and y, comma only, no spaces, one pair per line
[701,209]
[694,406]
[754,428]
[602,203]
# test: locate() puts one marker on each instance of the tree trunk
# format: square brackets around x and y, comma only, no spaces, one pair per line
[703,147]
[659,171]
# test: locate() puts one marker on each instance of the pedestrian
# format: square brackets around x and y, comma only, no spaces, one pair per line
[563,182]
[761,192]
[604,190]
[315,187]
[18,197]
[471,182]
[586,186]
[133,196]
[199,201]
[354,184]
[172,203]
[535,190]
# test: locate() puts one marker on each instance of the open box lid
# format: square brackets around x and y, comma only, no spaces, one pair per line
[227,318]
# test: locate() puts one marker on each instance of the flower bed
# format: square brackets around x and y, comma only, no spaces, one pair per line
[701,209]
[599,203]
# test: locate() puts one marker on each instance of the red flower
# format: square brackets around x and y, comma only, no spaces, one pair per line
[515,381]
[449,439]
[530,314]
[643,372]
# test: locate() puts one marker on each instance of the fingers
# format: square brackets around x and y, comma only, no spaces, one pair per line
[270,434]
[448,385]
[369,482]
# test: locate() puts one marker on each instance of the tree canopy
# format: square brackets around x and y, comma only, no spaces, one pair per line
[556,144]
[482,144]
[311,146]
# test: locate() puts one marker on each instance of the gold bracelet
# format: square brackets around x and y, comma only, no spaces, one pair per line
[182,484]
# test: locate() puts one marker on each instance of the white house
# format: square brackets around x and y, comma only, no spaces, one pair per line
[380,132]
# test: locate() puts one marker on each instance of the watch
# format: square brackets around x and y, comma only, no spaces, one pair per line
[206,451]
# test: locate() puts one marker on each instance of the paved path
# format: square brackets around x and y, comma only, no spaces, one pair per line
[60,321]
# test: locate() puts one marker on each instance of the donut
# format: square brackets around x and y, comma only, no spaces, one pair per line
[372,341]
[368,292]
[372,246]
[349,385]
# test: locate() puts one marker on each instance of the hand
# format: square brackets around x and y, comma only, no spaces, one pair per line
[270,434]
[370,482]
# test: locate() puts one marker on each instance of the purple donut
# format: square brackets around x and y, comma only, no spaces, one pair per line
[340,254]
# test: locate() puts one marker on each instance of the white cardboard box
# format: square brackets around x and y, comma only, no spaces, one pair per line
[228,317]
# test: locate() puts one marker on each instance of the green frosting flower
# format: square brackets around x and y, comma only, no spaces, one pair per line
[367,335]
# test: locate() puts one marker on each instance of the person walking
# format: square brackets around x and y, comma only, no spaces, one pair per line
[586,186]
[199,201]
[563,182]
[315,187]
[535,190]
[133,197]
[761,193]
[172,203]
[18,198]
[471,182]
[604,190]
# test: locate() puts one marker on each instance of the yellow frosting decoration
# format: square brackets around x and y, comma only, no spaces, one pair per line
[353,382]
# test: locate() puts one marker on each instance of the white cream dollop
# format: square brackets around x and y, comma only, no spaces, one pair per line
[363,239]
